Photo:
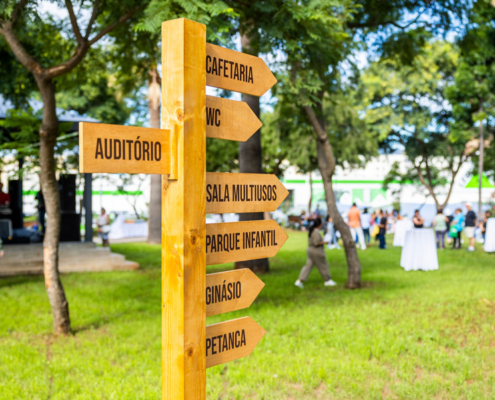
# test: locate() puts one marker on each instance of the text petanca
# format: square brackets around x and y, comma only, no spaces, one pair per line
[227,341]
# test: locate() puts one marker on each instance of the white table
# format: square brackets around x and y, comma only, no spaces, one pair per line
[401,227]
[419,251]
[489,245]
[121,229]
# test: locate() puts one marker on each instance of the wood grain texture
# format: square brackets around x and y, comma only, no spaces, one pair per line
[123,149]
[230,340]
[231,291]
[183,212]
[239,241]
[224,68]
[243,193]
[230,119]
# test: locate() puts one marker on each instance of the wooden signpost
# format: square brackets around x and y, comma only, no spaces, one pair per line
[178,152]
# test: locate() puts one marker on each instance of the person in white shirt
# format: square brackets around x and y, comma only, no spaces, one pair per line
[103,223]
[366,224]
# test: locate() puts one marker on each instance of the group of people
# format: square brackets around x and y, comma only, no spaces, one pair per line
[457,225]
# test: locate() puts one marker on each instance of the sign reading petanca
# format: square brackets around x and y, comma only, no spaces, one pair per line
[227,341]
[123,149]
[239,241]
[231,291]
[230,119]
[240,193]
[239,72]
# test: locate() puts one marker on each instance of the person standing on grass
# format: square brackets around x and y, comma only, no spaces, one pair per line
[316,256]
[354,216]
[418,220]
[333,242]
[457,224]
[469,225]
[486,216]
[103,223]
[382,225]
[440,224]
[366,225]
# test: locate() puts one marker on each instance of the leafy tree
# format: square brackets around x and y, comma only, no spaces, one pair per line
[472,96]
[50,49]
[409,110]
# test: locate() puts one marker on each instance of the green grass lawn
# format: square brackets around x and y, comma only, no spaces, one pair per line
[405,335]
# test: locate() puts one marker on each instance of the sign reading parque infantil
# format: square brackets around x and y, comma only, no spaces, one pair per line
[239,241]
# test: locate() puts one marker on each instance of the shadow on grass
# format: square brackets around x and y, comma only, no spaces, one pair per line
[11,281]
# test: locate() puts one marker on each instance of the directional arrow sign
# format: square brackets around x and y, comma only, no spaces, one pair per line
[231,340]
[123,149]
[230,119]
[231,291]
[240,72]
[242,193]
[240,241]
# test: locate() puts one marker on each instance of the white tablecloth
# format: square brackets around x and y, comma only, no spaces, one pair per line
[490,235]
[120,229]
[419,251]
[401,227]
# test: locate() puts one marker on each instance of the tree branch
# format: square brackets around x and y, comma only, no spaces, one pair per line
[322,136]
[81,51]
[423,181]
[94,14]
[114,24]
[17,11]
[73,21]
[18,49]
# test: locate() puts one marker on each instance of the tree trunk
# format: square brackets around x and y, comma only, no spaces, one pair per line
[326,165]
[480,168]
[310,192]
[155,209]
[353,264]
[49,186]
[250,162]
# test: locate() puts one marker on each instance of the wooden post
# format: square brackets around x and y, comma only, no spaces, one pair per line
[184,211]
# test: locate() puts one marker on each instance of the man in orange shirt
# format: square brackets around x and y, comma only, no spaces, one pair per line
[355,225]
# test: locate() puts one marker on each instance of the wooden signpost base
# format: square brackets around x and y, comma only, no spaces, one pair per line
[184,212]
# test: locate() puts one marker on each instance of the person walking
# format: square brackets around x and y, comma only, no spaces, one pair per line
[440,224]
[457,225]
[103,223]
[366,225]
[354,216]
[382,225]
[469,225]
[316,256]
[418,220]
